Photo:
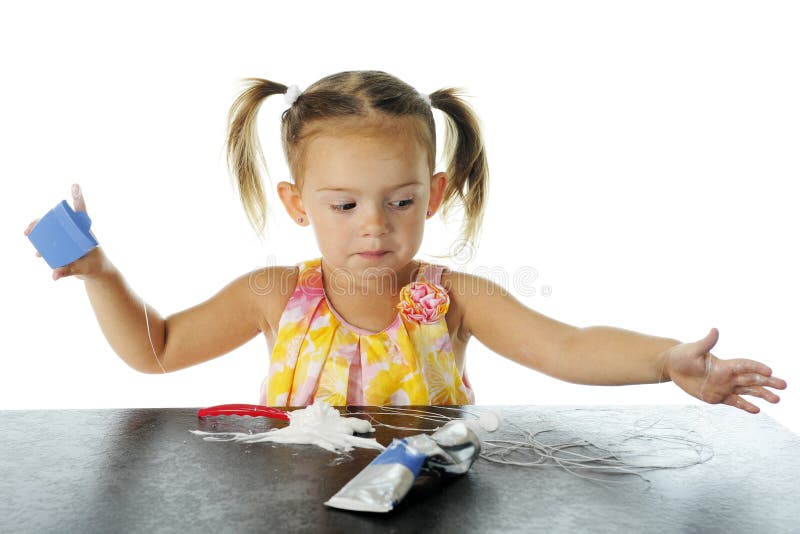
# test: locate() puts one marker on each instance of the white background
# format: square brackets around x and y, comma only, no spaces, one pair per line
[643,160]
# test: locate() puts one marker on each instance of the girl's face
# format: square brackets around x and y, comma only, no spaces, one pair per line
[365,194]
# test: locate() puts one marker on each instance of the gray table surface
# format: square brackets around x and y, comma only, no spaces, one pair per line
[141,470]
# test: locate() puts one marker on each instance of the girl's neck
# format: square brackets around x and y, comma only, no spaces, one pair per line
[348,284]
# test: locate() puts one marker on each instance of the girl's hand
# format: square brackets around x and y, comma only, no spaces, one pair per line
[92,264]
[710,379]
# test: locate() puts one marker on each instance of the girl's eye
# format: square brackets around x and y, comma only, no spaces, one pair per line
[350,205]
[407,201]
[342,207]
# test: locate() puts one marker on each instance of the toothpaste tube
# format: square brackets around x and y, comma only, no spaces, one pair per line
[381,485]
[384,482]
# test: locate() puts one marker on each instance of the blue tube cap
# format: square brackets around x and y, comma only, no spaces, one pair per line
[62,235]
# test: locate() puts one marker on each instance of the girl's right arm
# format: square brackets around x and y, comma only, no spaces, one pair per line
[152,344]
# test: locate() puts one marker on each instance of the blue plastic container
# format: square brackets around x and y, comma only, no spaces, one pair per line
[62,235]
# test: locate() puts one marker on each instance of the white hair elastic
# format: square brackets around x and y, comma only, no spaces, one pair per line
[292,92]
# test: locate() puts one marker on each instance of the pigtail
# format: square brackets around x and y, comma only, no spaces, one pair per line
[244,149]
[467,166]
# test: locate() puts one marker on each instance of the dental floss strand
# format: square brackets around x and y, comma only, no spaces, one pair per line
[572,455]
[577,454]
[147,322]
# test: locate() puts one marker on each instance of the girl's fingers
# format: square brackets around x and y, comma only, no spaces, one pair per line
[755,379]
[737,402]
[743,365]
[707,343]
[30,226]
[61,272]
[777,383]
[755,391]
[77,198]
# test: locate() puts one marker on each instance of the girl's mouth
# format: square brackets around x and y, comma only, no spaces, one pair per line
[373,254]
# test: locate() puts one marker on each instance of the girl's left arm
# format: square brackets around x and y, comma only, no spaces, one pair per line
[601,355]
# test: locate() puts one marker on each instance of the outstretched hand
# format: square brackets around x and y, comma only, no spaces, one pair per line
[701,374]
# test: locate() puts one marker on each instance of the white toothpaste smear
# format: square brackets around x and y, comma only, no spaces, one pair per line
[318,424]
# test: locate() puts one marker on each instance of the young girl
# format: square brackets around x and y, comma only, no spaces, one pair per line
[367,323]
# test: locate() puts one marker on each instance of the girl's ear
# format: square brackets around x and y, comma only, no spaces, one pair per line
[438,183]
[293,202]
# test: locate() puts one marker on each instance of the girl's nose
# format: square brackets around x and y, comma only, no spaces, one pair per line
[374,221]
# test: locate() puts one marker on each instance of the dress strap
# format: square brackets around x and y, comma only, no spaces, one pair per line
[432,272]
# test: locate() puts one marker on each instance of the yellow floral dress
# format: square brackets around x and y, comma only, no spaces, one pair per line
[320,356]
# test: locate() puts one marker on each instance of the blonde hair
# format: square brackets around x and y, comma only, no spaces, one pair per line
[379,101]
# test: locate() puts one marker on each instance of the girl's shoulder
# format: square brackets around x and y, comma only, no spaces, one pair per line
[271,288]
[471,296]
[456,284]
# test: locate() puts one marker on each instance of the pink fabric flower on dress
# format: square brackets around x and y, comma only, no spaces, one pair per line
[423,302]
